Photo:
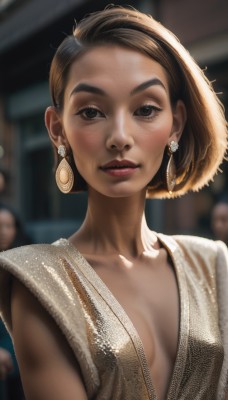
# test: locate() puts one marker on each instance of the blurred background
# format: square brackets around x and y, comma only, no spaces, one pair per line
[30,31]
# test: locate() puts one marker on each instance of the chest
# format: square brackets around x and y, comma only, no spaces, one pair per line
[122,304]
[148,293]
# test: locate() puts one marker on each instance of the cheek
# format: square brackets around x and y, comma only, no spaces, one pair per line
[157,134]
[155,144]
[84,143]
[156,140]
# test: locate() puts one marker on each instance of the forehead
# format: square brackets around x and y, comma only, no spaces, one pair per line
[115,66]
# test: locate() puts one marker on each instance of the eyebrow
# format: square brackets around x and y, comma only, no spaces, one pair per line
[145,85]
[85,87]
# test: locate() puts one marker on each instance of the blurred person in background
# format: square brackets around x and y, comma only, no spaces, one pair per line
[11,235]
[10,381]
[6,363]
[118,311]
[219,220]
[3,182]
[6,367]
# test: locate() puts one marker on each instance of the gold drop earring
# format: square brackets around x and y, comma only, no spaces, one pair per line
[171,168]
[64,175]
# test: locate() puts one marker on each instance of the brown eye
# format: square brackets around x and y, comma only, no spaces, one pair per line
[147,111]
[90,113]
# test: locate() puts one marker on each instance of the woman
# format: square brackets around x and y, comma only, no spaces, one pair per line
[117,311]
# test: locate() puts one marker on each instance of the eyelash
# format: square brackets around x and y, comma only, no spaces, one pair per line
[151,108]
[102,115]
[83,110]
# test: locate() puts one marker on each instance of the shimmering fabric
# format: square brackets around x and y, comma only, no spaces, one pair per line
[102,337]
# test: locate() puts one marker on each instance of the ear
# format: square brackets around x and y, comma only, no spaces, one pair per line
[54,126]
[179,120]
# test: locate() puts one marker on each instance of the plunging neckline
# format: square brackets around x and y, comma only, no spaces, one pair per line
[178,264]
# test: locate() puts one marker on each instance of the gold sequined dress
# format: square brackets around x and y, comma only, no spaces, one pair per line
[101,335]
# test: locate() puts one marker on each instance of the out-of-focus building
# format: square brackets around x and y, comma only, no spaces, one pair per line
[203,28]
[30,31]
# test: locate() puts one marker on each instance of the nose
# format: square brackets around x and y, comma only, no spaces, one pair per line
[120,137]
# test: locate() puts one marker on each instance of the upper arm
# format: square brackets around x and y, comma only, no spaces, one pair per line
[48,368]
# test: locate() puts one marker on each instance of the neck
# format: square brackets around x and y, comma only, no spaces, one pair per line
[115,225]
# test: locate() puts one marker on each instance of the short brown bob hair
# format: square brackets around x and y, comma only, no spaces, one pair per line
[203,143]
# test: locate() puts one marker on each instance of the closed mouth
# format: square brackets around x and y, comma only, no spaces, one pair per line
[125,164]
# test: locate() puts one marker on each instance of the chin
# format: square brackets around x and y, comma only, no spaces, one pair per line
[123,192]
[119,189]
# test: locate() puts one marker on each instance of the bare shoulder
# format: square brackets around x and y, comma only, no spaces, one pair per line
[48,368]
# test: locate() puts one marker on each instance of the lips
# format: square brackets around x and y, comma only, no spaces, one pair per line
[116,164]
[123,169]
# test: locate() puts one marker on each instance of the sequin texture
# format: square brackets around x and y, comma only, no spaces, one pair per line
[102,337]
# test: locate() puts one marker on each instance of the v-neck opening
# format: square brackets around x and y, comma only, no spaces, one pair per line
[103,290]
[177,258]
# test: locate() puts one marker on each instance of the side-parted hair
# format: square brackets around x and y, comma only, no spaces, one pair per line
[203,143]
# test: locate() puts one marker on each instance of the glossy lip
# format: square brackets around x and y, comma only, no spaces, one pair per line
[119,168]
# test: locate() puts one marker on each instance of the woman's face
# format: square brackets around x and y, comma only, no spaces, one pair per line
[7,229]
[118,119]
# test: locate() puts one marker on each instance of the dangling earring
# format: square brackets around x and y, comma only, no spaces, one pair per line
[171,168]
[64,175]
